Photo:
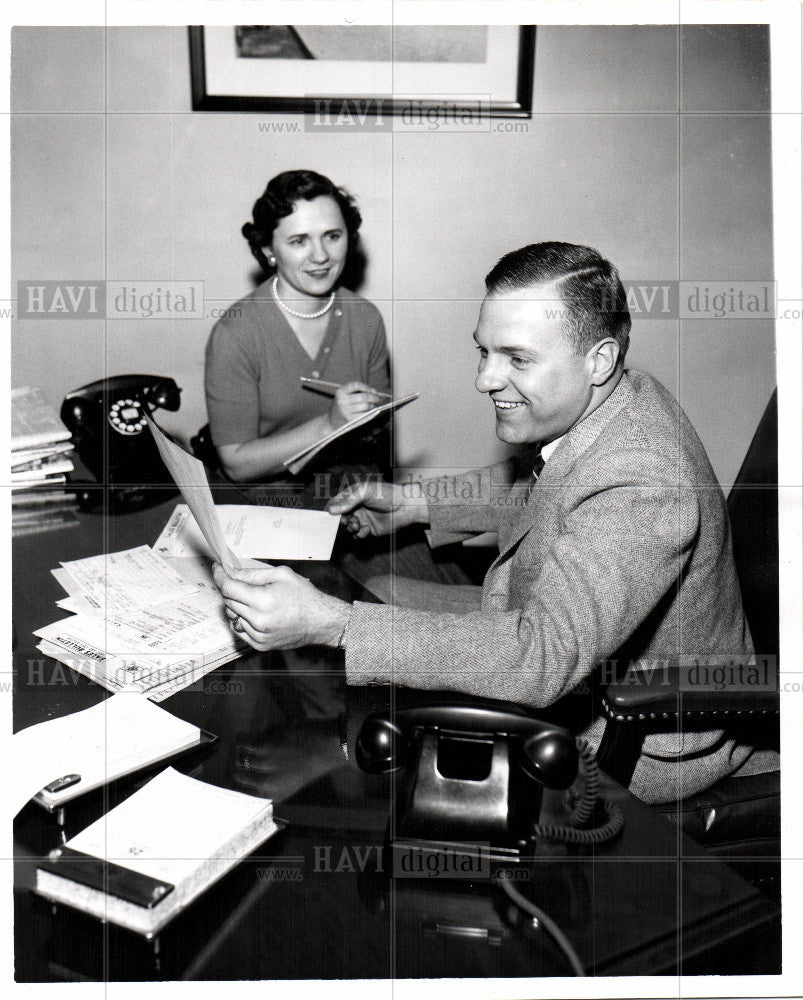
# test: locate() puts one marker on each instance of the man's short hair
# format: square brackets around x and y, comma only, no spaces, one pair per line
[588,285]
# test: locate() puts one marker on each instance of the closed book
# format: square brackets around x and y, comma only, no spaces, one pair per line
[42,472]
[147,859]
[40,498]
[55,521]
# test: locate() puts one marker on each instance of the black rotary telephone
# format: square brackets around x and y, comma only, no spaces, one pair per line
[467,770]
[467,773]
[470,778]
[107,421]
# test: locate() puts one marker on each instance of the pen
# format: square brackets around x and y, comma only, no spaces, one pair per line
[332,387]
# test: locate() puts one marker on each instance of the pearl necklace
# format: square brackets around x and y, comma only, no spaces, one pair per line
[292,312]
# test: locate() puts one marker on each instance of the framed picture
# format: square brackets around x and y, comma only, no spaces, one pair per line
[374,70]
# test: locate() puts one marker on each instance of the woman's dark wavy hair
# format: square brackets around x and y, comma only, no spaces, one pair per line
[278,201]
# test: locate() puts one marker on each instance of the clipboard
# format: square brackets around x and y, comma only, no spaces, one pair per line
[55,805]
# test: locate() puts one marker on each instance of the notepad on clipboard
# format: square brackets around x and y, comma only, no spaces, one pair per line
[117,737]
[295,463]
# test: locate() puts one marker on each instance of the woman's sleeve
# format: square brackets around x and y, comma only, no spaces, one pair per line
[378,359]
[232,388]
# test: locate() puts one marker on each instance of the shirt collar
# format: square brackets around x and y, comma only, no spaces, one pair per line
[547,449]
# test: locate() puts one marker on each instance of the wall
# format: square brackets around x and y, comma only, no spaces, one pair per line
[124,181]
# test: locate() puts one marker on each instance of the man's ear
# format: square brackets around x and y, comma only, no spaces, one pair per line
[603,359]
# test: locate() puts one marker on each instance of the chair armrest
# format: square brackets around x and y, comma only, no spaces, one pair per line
[668,693]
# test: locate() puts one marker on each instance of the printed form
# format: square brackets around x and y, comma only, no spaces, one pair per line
[276,533]
[120,581]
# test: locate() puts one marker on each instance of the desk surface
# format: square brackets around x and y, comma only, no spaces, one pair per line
[318,903]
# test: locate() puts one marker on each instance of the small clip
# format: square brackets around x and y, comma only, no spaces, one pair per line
[66,781]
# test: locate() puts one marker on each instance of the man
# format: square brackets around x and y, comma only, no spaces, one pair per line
[613,545]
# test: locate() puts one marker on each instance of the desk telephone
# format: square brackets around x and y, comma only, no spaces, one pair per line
[107,421]
[468,773]
[469,781]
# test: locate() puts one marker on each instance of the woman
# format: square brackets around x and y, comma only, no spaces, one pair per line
[300,322]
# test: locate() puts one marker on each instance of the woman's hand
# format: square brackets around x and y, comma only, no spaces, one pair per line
[378,508]
[351,400]
[278,609]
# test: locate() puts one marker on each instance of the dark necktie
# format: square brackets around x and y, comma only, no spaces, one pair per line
[538,468]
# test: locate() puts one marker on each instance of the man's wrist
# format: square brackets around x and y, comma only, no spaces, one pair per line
[416,508]
[336,622]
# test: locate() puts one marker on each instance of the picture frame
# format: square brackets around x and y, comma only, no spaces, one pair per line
[227,76]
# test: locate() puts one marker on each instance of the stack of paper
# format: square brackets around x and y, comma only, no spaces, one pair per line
[174,837]
[40,460]
[138,624]
[152,619]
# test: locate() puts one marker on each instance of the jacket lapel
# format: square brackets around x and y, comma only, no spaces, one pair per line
[545,493]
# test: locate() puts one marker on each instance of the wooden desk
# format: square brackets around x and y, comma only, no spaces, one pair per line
[318,902]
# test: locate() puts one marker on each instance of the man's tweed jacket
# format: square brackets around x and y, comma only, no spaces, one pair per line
[620,551]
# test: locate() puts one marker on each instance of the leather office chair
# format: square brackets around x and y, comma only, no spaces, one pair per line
[738,819]
[203,449]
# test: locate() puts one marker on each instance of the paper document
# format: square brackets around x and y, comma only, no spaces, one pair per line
[297,462]
[100,743]
[120,581]
[184,626]
[190,477]
[157,650]
[156,677]
[196,569]
[257,532]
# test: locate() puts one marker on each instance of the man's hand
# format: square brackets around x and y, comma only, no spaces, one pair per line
[278,609]
[377,508]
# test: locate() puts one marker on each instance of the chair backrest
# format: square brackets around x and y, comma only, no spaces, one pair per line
[753,511]
[203,449]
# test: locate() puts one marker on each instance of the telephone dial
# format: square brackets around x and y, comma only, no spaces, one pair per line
[107,421]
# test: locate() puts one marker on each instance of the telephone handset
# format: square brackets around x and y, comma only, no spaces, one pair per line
[545,752]
[107,421]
